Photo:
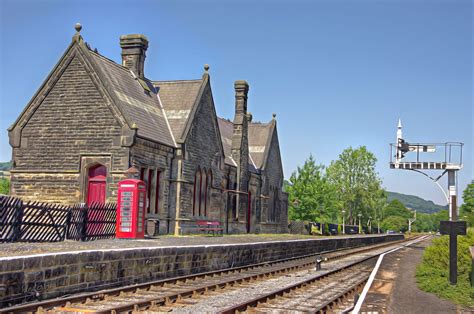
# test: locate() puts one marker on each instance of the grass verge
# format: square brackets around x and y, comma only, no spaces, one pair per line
[432,275]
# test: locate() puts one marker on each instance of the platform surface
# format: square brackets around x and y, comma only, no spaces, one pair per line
[19,249]
[394,289]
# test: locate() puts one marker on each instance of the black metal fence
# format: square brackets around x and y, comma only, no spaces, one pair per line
[92,223]
[43,222]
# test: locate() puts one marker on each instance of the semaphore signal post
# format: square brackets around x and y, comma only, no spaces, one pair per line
[445,157]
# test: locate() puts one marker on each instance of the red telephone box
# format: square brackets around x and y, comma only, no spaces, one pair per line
[131,209]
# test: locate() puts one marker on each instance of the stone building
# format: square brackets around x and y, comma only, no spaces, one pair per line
[94,122]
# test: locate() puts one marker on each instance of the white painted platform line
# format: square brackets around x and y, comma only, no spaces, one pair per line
[374,272]
[7,258]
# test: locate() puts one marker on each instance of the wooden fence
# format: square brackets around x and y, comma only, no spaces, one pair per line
[43,222]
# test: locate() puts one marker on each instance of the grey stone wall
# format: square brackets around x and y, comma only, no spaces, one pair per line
[202,149]
[73,128]
[273,177]
[71,123]
[59,274]
[156,157]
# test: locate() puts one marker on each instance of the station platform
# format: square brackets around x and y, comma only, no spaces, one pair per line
[37,271]
[24,249]
[394,289]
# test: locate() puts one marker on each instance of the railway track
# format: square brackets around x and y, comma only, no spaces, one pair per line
[323,294]
[333,292]
[178,293]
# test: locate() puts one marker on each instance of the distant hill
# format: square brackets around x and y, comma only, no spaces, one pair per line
[416,203]
[5,166]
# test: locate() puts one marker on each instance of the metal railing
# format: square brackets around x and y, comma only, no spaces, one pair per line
[44,222]
[447,153]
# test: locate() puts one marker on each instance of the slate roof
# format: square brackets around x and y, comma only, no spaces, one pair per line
[258,138]
[178,98]
[135,103]
[259,134]
[226,129]
[161,115]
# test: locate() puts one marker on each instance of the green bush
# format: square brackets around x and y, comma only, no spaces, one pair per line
[4,186]
[433,272]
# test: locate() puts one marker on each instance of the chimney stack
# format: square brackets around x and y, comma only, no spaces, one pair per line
[134,48]
[240,146]
[239,138]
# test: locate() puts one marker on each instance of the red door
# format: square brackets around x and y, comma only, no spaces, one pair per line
[96,188]
[96,185]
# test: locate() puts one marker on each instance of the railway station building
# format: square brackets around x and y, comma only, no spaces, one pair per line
[94,122]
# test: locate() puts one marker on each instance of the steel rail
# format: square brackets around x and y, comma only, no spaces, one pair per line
[280,292]
[87,298]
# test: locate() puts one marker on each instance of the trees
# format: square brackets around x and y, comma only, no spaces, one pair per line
[4,186]
[349,183]
[396,208]
[467,209]
[396,216]
[311,197]
[356,183]
[395,223]
[425,222]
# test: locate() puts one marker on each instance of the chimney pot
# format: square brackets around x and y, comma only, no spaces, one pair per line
[241,86]
[134,48]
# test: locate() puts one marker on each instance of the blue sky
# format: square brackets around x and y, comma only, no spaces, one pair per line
[336,73]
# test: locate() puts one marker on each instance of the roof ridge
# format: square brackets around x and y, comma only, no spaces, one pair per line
[259,123]
[109,60]
[177,81]
[224,120]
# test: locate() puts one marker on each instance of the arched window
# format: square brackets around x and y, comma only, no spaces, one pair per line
[272,204]
[149,186]
[157,191]
[207,196]
[275,204]
[202,194]
[234,202]
[197,192]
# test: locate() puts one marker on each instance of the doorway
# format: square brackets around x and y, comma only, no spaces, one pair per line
[96,184]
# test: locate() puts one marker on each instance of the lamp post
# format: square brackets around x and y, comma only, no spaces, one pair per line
[360,223]
[343,224]
[369,224]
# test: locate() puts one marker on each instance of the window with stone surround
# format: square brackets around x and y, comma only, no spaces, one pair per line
[202,192]
[197,191]
[157,192]
[149,187]
[234,202]
[207,196]
[273,205]
[151,177]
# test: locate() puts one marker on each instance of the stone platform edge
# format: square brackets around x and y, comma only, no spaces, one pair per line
[44,276]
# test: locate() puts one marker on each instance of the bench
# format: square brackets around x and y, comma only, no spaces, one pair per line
[210,226]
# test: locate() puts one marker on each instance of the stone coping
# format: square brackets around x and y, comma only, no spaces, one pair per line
[9,251]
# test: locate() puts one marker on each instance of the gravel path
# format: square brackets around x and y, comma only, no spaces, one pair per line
[18,249]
